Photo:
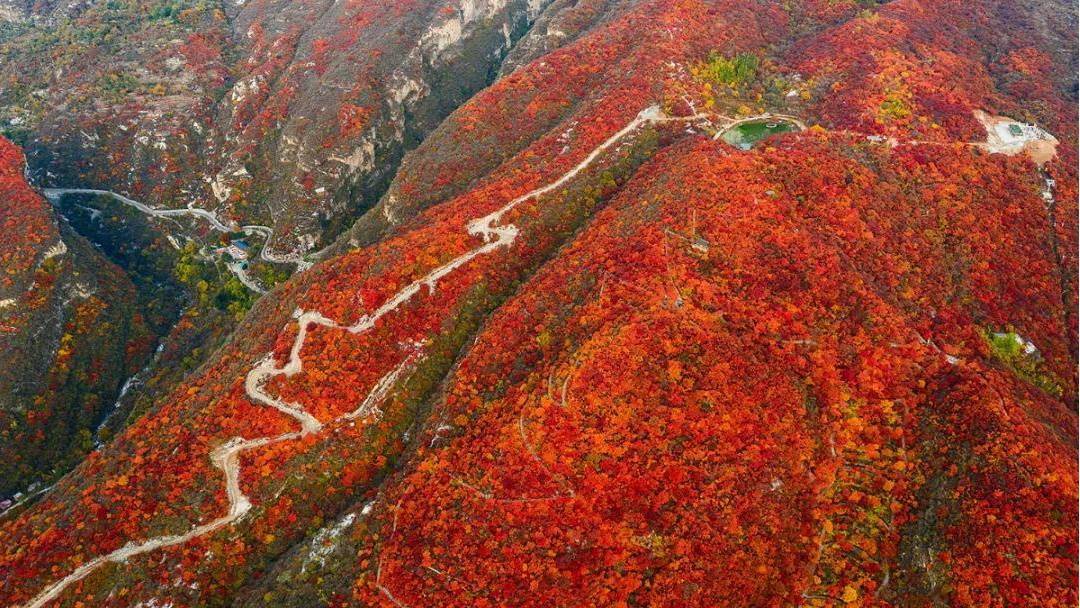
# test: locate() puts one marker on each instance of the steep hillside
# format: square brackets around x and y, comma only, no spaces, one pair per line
[738,364]
[291,114]
[701,303]
[71,332]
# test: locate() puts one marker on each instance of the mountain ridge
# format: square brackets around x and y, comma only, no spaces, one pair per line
[798,360]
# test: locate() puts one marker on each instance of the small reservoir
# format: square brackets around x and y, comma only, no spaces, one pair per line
[746,134]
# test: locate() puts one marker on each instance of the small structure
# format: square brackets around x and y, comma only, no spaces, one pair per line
[236,250]
[1015,133]
[1008,136]
[237,253]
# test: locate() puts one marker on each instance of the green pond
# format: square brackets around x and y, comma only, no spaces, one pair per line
[745,135]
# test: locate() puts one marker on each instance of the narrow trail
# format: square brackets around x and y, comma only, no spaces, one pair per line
[226,457]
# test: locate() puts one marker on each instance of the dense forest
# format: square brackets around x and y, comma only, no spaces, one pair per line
[571,303]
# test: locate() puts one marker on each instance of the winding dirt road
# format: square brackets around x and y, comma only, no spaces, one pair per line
[226,456]
[54,194]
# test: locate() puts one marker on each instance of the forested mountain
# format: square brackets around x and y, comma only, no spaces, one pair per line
[592,303]
[71,332]
[294,114]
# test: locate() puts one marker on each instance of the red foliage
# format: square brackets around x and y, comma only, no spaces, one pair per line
[752,378]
